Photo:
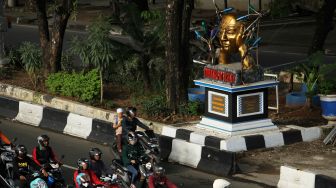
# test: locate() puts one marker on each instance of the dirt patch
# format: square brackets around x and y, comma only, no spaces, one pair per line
[314,156]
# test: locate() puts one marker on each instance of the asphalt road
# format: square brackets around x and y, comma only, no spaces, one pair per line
[74,148]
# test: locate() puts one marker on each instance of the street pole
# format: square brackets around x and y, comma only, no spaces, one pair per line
[225,4]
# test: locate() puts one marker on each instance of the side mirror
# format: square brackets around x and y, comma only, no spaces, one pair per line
[14,139]
[62,157]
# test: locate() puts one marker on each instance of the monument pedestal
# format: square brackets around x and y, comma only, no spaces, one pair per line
[235,110]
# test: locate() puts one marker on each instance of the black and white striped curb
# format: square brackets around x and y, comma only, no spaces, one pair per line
[245,143]
[204,158]
[294,178]
[57,120]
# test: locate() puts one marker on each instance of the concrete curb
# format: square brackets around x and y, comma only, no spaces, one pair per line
[58,120]
[246,143]
[23,94]
[295,178]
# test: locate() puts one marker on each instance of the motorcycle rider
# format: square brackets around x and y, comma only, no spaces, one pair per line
[130,124]
[132,151]
[83,167]
[158,179]
[43,153]
[23,166]
[96,164]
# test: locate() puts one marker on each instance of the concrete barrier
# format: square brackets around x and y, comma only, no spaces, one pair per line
[294,178]
[9,108]
[54,119]
[165,143]
[218,162]
[78,125]
[220,183]
[185,153]
[273,139]
[310,134]
[169,131]
[30,113]
[102,131]
[233,144]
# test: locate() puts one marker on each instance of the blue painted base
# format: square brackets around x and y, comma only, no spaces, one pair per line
[299,99]
[195,94]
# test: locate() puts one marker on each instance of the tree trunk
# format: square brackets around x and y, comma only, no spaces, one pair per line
[101,86]
[58,30]
[172,51]
[185,59]
[309,102]
[145,72]
[324,24]
[52,45]
[44,34]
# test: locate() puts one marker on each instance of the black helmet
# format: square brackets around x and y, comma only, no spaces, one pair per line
[131,111]
[131,136]
[94,151]
[80,162]
[21,150]
[159,171]
[41,139]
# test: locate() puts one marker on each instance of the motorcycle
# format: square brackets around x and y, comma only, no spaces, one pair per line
[83,181]
[55,174]
[7,158]
[149,141]
[145,162]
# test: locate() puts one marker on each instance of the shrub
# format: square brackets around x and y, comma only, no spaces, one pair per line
[31,59]
[192,108]
[155,106]
[84,86]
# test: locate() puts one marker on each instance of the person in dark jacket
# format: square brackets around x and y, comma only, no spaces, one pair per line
[23,166]
[131,123]
[131,152]
[96,164]
[43,153]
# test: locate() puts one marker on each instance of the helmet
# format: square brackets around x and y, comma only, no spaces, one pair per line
[41,139]
[159,171]
[80,162]
[93,152]
[21,150]
[131,111]
[83,179]
[131,137]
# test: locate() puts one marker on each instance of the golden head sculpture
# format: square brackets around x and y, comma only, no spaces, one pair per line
[231,38]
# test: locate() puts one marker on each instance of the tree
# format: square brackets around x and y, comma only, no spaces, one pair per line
[324,24]
[144,43]
[51,41]
[178,60]
[97,49]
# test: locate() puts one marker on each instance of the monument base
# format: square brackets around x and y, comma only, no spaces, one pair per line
[234,129]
